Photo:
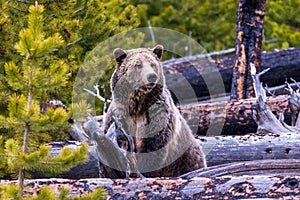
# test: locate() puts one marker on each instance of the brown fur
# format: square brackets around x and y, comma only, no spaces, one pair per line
[146,111]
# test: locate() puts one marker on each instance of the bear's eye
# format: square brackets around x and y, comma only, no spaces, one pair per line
[152,65]
[139,66]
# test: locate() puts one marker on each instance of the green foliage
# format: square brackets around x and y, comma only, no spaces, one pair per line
[282,22]
[107,19]
[12,191]
[12,149]
[212,22]
[98,193]
[12,158]
[80,24]
[45,194]
[32,78]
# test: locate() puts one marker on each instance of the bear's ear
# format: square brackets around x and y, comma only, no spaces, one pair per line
[120,55]
[158,50]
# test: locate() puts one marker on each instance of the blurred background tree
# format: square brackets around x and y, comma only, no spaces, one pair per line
[212,23]
[282,23]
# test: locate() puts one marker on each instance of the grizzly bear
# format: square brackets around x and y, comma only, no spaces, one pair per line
[163,142]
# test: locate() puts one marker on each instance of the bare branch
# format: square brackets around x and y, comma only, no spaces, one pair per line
[18,9]
[258,88]
[75,42]
[269,91]
[79,10]
[97,94]
[151,33]
[289,88]
[295,83]
[27,2]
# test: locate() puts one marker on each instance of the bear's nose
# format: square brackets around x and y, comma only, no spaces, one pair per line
[152,78]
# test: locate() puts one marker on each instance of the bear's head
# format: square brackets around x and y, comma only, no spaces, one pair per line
[139,67]
[138,75]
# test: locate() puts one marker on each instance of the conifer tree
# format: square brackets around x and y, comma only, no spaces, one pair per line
[39,72]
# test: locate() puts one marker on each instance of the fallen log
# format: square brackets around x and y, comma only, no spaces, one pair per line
[230,149]
[188,72]
[281,167]
[227,187]
[219,150]
[235,117]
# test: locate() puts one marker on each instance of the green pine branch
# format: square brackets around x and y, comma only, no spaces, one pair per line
[11,191]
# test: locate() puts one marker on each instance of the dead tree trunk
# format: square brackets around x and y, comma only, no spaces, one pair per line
[272,186]
[250,21]
[238,115]
[282,63]
[283,167]
[219,150]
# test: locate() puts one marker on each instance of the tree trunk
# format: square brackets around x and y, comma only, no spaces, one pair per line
[250,21]
[271,186]
[180,72]
[282,167]
[230,149]
[219,150]
[21,174]
[238,115]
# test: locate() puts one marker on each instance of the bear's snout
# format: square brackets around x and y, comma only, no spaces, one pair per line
[152,77]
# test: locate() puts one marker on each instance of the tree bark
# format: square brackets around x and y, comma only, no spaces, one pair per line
[230,149]
[236,117]
[282,167]
[228,187]
[189,72]
[219,150]
[250,21]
